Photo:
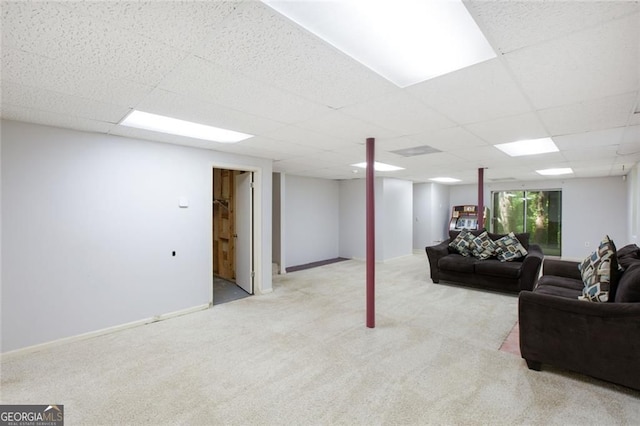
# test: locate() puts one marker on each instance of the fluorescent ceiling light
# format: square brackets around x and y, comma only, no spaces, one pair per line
[445,179]
[380,167]
[528,147]
[405,41]
[555,172]
[163,124]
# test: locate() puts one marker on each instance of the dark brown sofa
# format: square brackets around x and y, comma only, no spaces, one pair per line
[514,276]
[601,340]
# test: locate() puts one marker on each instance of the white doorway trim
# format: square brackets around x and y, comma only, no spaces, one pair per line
[257,223]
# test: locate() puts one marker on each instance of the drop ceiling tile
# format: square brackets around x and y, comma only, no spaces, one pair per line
[299,165]
[595,153]
[478,93]
[631,134]
[482,153]
[332,173]
[60,103]
[587,140]
[257,41]
[509,129]
[202,79]
[281,149]
[439,159]
[598,62]
[589,169]
[395,143]
[449,139]
[38,71]
[305,137]
[180,24]
[255,150]
[513,25]
[56,30]
[629,151]
[344,127]
[49,118]
[399,112]
[185,108]
[586,116]
[503,174]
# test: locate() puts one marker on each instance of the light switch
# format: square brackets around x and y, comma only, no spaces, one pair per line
[183,203]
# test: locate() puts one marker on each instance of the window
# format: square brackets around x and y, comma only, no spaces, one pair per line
[537,212]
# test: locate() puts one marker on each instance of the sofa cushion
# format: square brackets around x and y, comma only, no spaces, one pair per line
[457,263]
[483,246]
[598,271]
[522,237]
[628,255]
[463,243]
[562,282]
[509,248]
[496,268]
[628,289]
[553,290]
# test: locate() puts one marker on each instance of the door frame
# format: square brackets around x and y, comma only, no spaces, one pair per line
[258,235]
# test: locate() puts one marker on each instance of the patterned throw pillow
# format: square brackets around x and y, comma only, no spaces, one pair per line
[509,248]
[596,271]
[483,246]
[463,243]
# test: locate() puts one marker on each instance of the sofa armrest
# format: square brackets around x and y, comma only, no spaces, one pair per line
[435,253]
[531,267]
[598,339]
[561,268]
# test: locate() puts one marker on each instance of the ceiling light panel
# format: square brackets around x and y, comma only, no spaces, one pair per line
[555,172]
[445,180]
[174,126]
[379,167]
[405,41]
[528,147]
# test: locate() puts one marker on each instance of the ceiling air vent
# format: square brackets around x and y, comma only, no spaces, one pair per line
[416,150]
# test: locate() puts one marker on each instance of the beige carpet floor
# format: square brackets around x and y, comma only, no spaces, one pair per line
[303,356]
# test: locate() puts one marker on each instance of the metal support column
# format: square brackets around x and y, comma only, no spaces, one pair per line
[371,237]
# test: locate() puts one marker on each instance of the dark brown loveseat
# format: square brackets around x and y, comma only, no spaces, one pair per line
[514,276]
[601,340]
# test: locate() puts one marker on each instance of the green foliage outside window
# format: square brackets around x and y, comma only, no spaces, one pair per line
[535,212]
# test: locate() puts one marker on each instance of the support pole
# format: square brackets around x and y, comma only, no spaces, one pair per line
[371,237]
[481,198]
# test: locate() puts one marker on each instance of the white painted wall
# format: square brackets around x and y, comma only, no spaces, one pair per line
[312,226]
[441,212]
[422,215]
[89,223]
[394,223]
[397,231]
[633,193]
[430,214]
[352,215]
[460,195]
[591,209]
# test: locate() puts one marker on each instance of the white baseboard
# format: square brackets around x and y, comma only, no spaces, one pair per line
[35,348]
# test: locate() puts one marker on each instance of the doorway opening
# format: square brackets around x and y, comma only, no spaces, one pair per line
[233,269]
